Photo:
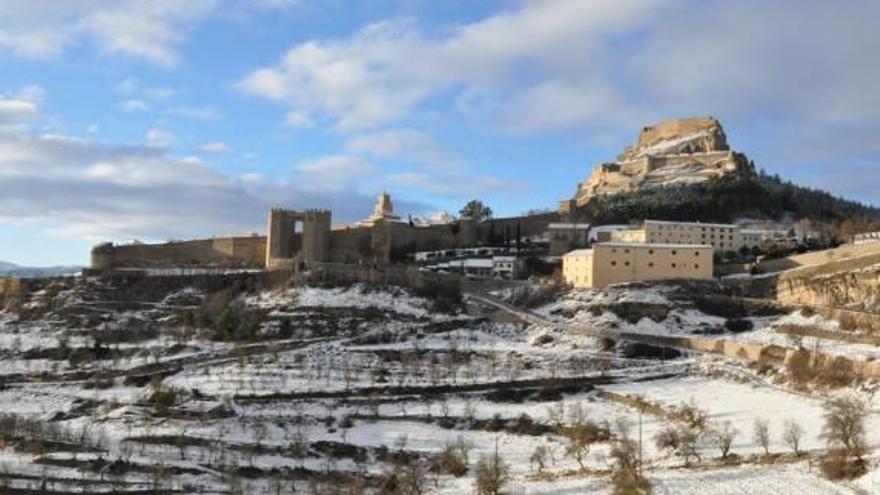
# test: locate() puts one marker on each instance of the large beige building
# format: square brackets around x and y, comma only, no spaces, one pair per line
[616,262]
[722,237]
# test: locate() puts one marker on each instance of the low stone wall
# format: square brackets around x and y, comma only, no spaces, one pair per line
[746,351]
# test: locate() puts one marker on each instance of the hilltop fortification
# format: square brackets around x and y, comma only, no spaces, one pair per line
[677,151]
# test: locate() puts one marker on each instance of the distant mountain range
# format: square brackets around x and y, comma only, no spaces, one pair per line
[13,270]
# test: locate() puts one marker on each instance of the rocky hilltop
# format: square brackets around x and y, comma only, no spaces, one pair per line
[678,151]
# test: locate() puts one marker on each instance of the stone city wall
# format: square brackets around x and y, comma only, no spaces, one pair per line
[246,251]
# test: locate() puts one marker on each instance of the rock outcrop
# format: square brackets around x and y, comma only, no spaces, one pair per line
[674,151]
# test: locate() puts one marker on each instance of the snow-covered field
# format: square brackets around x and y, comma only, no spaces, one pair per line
[287,387]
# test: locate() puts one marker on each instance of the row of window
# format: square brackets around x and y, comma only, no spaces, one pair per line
[651,251]
[651,264]
[688,227]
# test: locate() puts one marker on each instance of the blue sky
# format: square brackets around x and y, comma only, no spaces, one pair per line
[162,119]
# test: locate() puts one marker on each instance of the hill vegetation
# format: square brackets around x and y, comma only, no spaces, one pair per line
[725,199]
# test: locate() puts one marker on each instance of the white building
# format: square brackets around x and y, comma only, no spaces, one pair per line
[722,237]
[617,262]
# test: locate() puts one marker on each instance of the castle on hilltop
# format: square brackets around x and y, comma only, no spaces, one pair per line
[674,151]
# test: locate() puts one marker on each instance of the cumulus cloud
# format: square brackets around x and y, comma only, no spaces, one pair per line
[21,106]
[384,70]
[98,191]
[147,29]
[17,110]
[570,64]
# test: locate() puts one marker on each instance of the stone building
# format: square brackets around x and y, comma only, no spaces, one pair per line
[722,237]
[617,262]
[288,246]
[383,210]
[567,236]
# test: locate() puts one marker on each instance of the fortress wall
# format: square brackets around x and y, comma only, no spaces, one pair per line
[251,249]
[351,245]
[673,128]
[224,252]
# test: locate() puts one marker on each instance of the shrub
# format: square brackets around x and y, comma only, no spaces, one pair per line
[800,366]
[626,476]
[453,461]
[492,475]
[164,398]
[691,415]
[837,465]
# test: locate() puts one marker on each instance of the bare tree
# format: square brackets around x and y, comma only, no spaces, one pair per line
[723,436]
[761,434]
[492,474]
[680,440]
[845,424]
[792,434]
[581,438]
[626,477]
[539,457]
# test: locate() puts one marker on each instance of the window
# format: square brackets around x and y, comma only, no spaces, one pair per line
[650,264]
[673,265]
[697,266]
[626,263]
[626,251]
[650,251]
[674,252]
[613,263]
[696,253]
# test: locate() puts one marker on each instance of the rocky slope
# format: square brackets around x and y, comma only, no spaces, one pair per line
[679,151]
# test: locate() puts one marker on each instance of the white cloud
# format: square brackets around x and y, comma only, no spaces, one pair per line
[22,105]
[32,93]
[87,189]
[134,106]
[409,144]
[298,119]
[147,29]
[333,173]
[380,73]
[161,138]
[12,111]
[214,147]
[597,66]
[128,85]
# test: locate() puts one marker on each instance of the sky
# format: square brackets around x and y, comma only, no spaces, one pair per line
[168,119]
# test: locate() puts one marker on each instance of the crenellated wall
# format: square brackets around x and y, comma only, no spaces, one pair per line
[233,252]
[287,249]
